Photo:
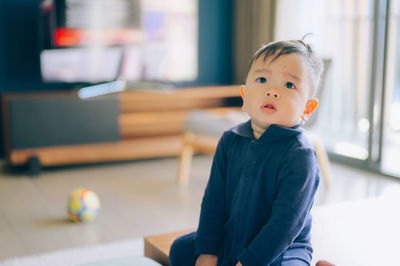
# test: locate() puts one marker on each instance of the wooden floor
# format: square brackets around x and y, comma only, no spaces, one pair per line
[138,198]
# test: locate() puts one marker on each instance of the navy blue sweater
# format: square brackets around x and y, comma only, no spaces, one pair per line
[258,198]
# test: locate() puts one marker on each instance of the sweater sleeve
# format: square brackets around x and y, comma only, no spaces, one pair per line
[209,237]
[297,183]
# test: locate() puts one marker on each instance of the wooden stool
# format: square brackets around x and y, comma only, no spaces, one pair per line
[157,247]
[202,132]
[195,143]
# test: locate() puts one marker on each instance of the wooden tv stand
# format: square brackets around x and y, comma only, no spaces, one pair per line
[150,124]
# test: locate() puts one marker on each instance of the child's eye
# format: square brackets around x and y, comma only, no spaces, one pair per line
[261,80]
[290,85]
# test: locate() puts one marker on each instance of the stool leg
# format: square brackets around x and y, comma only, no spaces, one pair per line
[322,157]
[323,161]
[185,159]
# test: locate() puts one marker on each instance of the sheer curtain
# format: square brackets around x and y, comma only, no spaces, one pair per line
[343,31]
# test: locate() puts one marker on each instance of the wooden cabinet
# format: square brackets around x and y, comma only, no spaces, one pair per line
[149,124]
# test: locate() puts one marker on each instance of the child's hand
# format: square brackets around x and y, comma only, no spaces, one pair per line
[206,260]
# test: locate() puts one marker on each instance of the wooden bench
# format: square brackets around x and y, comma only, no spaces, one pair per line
[157,247]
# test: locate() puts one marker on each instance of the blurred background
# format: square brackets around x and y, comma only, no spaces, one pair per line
[55,45]
[167,58]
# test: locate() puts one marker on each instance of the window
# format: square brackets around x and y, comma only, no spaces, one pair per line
[391,137]
[361,39]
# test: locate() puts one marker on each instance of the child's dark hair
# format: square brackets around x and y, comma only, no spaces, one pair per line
[277,49]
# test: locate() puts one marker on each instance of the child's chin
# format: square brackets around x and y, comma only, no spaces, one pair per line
[263,124]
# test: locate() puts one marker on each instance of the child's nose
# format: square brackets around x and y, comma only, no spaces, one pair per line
[273,93]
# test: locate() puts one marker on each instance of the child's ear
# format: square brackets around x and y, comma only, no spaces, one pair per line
[242,91]
[311,105]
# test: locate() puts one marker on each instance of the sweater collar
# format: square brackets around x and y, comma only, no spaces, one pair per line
[272,134]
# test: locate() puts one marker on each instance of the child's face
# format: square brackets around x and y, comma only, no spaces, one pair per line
[277,92]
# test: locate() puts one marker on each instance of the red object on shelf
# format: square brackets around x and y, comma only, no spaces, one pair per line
[78,37]
[67,37]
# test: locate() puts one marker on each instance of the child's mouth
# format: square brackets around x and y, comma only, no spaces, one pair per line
[269,108]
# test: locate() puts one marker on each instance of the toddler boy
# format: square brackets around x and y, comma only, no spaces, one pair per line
[256,207]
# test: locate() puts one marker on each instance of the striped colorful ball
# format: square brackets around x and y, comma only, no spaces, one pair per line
[83,205]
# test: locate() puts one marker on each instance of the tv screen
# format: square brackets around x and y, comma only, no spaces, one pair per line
[93,41]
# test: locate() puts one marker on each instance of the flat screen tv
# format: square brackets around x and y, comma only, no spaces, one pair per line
[95,41]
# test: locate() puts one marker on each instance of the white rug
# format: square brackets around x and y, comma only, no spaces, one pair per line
[76,256]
